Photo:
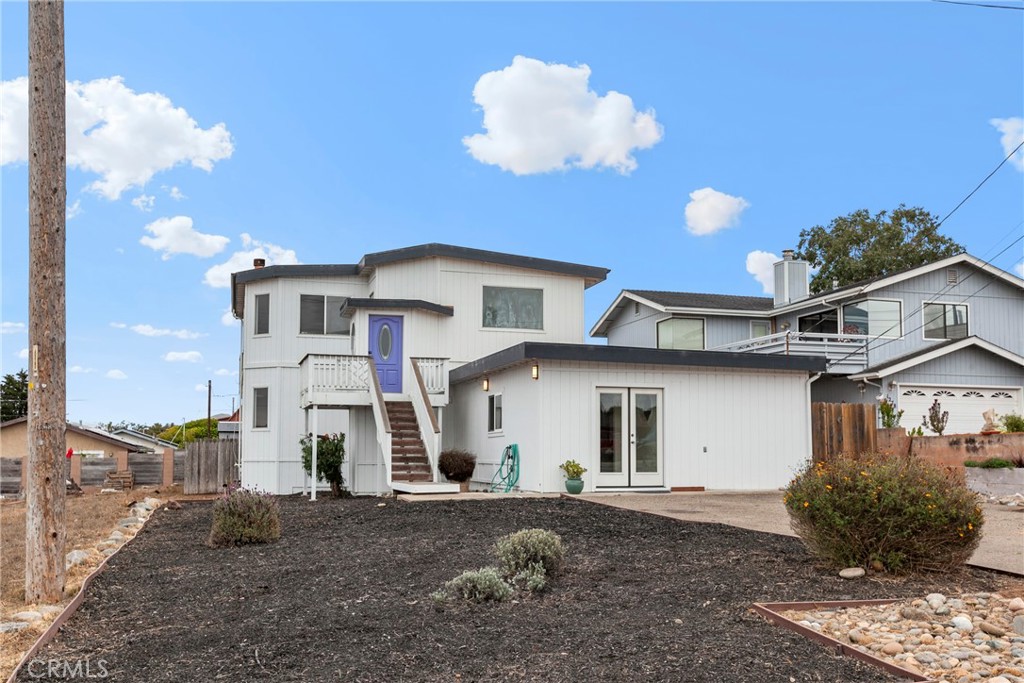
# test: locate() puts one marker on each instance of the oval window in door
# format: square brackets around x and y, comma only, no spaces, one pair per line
[384,341]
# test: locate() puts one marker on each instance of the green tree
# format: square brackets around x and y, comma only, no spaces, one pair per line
[194,430]
[330,455]
[14,396]
[860,246]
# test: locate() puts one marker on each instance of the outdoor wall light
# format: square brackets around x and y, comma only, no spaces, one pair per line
[535,371]
[486,384]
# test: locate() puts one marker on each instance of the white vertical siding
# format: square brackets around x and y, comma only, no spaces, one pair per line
[636,329]
[367,473]
[754,425]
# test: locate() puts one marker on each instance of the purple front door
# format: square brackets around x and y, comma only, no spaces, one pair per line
[386,351]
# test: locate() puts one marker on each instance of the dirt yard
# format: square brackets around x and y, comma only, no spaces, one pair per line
[344,595]
[90,519]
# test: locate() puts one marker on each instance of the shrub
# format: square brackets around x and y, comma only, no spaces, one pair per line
[890,416]
[482,585]
[457,465]
[532,579]
[903,512]
[242,517]
[990,464]
[330,455]
[936,418]
[520,550]
[1012,422]
[572,469]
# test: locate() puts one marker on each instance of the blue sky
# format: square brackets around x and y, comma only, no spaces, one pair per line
[319,132]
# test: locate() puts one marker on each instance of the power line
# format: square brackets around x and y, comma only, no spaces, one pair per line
[964,200]
[977,4]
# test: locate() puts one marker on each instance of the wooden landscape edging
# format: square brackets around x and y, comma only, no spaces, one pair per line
[51,631]
[768,610]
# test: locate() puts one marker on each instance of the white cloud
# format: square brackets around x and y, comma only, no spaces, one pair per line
[115,374]
[119,326]
[220,275]
[761,264]
[183,357]
[201,387]
[150,331]
[544,117]
[73,210]
[1013,134]
[176,194]
[79,370]
[12,328]
[228,318]
[176,236]
[123,136]
[710,211]
[223,372]
[23,354]
[144,202]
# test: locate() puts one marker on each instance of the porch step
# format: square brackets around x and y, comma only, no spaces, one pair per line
[408,454]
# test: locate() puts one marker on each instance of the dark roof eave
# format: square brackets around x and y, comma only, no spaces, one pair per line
[399,304]
[595,353]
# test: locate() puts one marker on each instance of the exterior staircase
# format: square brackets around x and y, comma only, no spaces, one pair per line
[408,454]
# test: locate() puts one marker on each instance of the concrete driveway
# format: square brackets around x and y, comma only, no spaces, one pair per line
[1002,544]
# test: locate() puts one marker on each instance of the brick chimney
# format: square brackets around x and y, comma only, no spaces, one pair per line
[260,262]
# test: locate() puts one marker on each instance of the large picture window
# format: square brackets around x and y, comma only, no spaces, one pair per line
[685,334]
[319,314]
[260,408]
[873,317]
[945,321]
[262,314]
[822,323]
[514,307]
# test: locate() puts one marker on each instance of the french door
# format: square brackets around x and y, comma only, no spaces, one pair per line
[630,425]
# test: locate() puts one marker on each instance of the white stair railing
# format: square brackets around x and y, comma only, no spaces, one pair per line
[380,418]
[426,420]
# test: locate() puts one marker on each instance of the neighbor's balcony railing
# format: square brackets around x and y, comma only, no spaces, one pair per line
[845,353]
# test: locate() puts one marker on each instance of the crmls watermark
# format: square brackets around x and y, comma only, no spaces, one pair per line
[67,669]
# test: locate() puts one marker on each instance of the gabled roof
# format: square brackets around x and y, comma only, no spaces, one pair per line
[84,431]
[905,362]
[591,274]
[142,436]
[599,353]
[874,284]
[684,302]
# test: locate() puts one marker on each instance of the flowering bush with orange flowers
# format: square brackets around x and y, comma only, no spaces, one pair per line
[902,512]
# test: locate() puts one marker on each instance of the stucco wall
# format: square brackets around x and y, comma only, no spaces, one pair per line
[951,451]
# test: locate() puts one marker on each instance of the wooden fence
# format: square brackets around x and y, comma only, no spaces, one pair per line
[10,476]
[210,466]
[149,469]
[842,429]
[94,470]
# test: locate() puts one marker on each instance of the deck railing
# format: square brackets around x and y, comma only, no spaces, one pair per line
[434,372]
[844,352]
[324,373]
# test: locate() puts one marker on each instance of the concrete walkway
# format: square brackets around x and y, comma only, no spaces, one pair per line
[1002,543]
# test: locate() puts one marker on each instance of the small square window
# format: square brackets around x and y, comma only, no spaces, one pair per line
[760,328]
[494,413]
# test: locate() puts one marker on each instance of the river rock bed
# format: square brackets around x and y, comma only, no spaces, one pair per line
[973,637]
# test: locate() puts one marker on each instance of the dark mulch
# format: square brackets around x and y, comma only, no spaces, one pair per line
[344,596]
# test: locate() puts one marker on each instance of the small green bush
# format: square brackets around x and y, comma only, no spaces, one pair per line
[482,585]
[533,579]
[990,464]
[242,517]
[456,465]
[1012,422]
[518,551]
[903,512]
[330,455]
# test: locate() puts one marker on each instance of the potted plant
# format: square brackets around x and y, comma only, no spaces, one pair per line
[573,476]
[457,466]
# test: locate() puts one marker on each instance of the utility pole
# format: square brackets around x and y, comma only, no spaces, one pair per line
[45,490]
[209,406]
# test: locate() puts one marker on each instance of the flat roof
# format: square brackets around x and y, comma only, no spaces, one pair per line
[599,353]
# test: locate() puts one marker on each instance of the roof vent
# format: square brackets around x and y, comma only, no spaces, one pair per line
[259,262]
[952,276]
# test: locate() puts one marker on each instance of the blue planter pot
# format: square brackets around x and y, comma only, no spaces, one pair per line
[574,486]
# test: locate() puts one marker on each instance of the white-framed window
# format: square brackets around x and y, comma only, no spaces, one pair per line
[875,317]
[494,413]
[319,314]
[760,328]
[262,323]
[685,334]
[516,308]
[260,408]
[945,321]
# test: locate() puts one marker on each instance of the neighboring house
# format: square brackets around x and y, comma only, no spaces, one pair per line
[144,442]
[952,330]
[414,350]
[83,440]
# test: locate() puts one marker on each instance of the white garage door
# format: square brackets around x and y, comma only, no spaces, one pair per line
[965,405]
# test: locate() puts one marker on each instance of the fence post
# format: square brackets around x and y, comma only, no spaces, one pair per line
[76,469]
[168,469]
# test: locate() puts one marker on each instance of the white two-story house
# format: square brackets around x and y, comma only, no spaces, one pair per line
[951,331]
[435,346]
